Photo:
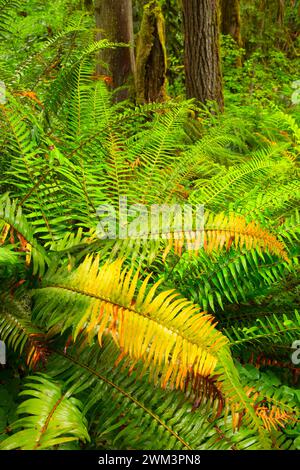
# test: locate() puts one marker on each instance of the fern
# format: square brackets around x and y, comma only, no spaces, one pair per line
[20,334]
[7,8]
[134,360]
[52,417]
[153,418]
[192,343]
[12,215]
[273,329]
[232,276]
[224,231]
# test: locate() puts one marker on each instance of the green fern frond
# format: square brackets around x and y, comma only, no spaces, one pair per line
[277,200]
[213,280]
[19,333]
[62,85]
[52,417]
[272,329]
[7,8]
[8,258]
[236,180]
[20,74]
[165,419]
[290,228]
[12,215]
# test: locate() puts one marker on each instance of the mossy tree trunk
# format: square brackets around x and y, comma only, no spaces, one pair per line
[114,22]
[202,51]
[151,57]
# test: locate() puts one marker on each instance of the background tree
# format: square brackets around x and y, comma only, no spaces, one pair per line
[269,24]
[231,19]
[202,50]
[281,12]
[114,22]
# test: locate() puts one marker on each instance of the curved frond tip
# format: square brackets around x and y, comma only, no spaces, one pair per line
[225,231]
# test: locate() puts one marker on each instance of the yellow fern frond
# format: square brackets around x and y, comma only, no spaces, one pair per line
[224,231]
[170,333]
[159,334]
[176,342]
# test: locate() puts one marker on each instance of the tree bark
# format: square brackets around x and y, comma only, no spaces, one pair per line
[114,22]
[231,19]
[202,51]
[151,57]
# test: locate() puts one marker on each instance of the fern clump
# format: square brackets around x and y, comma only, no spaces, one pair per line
[140,343]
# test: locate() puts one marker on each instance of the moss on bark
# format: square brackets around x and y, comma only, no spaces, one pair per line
[151,56]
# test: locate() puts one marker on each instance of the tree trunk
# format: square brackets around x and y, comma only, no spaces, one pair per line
[151,57]
[88,5]
[281,13]
[231,19]
[202,51]
[114,22]
[281,36]
[263,11]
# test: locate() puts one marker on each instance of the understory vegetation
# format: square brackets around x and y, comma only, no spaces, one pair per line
[136,343]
